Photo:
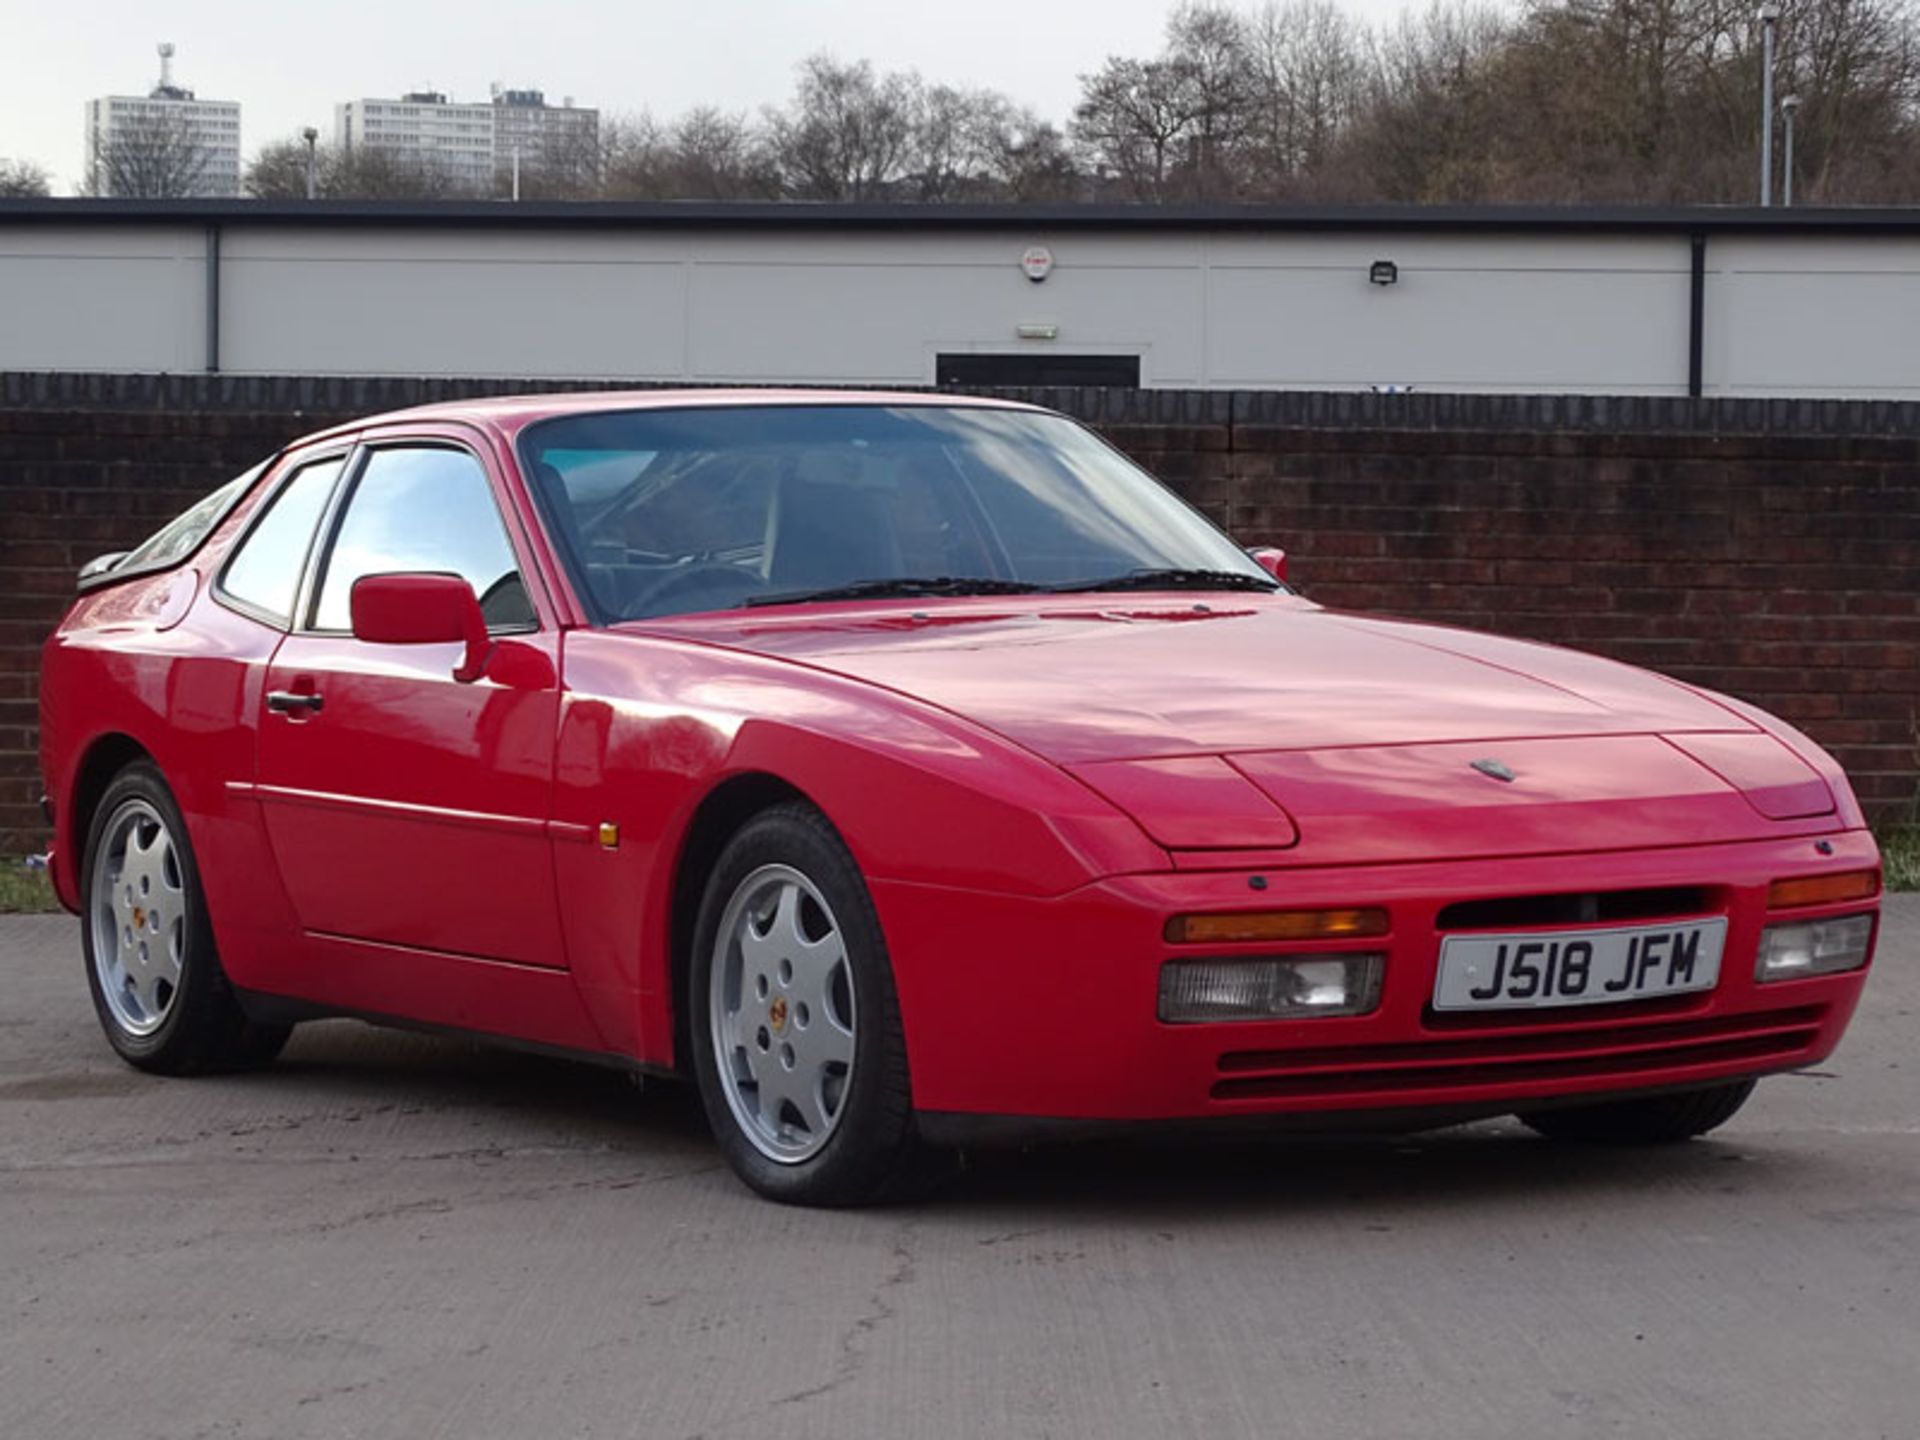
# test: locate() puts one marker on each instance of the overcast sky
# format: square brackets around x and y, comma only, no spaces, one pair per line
[288,64]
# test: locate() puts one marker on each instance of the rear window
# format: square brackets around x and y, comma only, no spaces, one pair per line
[180,536]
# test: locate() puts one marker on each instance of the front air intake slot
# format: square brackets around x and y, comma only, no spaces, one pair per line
[1605,907]
[1764,1040]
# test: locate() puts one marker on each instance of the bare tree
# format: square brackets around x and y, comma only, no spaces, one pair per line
[1551,101]
[1309,65]
[1432,111]
[707,154]
[1173,126]
[278,171]
[951,143]
[22,179]
[848,133]
[1031,160]
[566,165]
[1653,100]
[635,158]
[157,157]
[1208,48]
[718,155]
[1132,124]
[1856,66]
[372,172]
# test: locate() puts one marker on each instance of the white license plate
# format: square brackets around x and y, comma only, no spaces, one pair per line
[1578,967]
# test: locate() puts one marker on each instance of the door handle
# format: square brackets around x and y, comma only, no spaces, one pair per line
[287,702]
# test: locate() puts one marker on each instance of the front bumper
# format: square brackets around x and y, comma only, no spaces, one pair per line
[1017,1007]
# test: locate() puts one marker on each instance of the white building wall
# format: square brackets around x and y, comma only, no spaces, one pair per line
[1813,316]
[542,133]
[443,303]
[473,144]
[1560,313]
[1546,312]
[1523,314]
[455,140]
[84,298]
[213,125]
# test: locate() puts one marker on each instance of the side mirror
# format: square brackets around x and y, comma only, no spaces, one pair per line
[1270,558]
[423,609]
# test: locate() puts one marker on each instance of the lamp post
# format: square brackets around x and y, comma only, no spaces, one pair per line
[1769,18]
[312,137]
[1789,108]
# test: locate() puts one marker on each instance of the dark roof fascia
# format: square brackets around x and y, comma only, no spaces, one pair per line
[806,215]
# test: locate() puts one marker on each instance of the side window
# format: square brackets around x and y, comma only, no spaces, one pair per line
[424,508]
[265,571]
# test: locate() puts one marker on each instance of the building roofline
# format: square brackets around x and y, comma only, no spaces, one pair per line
[810,215]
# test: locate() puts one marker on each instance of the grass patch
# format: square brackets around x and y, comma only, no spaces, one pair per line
[24,891]
[1900,853]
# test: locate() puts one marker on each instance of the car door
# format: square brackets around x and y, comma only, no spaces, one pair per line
[408,810]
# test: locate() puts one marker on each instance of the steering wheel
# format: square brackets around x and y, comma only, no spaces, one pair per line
[685,576]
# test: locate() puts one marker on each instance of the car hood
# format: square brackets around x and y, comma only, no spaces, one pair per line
[1080,684]
[1279,733]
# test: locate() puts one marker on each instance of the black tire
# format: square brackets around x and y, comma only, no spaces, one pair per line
[871,1152]
[203,1028]
[1656,1120]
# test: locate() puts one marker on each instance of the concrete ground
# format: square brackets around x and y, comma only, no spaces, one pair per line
[393,1236]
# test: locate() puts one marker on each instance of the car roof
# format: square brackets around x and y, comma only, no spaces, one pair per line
[509,414]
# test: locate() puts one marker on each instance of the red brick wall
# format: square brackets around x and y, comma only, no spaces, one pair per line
[1768,549]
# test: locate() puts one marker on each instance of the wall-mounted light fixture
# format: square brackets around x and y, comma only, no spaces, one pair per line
[1037,332]
[1383,272]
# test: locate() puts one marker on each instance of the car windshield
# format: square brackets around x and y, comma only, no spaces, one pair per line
[673,511]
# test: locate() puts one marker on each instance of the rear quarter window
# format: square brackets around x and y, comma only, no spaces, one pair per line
[179,537]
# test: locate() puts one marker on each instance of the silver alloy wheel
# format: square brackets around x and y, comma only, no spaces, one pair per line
[782,1013]
[138,911]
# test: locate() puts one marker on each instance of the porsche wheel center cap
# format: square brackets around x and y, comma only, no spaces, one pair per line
[777,1015]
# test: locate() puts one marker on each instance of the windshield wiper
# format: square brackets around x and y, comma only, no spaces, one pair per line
[1171,580]
[900,587]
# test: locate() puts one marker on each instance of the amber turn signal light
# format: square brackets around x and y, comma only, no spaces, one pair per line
[1275,925]
[1823,889]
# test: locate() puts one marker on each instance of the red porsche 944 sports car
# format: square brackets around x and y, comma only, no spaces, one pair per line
[905,769]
